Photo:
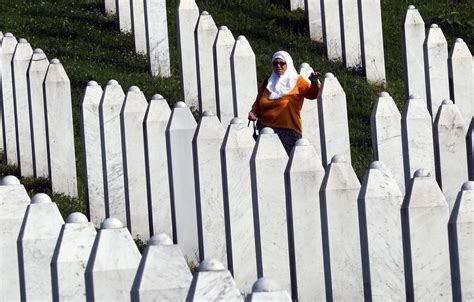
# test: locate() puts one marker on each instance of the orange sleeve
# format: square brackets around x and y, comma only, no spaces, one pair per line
[307,90]
[256,106]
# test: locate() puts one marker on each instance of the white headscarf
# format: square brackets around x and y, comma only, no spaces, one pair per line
[281,85]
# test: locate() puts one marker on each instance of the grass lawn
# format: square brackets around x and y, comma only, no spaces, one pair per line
[91,48]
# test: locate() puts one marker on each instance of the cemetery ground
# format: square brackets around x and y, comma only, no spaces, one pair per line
[90,47]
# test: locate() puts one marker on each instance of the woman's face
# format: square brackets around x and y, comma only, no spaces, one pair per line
[279,66]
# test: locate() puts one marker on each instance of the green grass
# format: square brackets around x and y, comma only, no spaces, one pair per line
[91,48]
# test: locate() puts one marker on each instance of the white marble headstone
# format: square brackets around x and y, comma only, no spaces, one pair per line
[187,16]
[460,73]
[111,140]
[267,290]
[179,135]
[163,274]
[333,120]
[372,41]
[70,258]
[450,150]
[9,43]
[92,152]
[413,37]
[131,119]
[315,23]
[207,142]
[223,76]
[36,74]
[436,69]
[267,167]
[36,243]
[110,8]
[339,192]
[380,200]
[13,203]
[236,151]
[417,138]
[138,25]
[351,46]
[296,4]
[332,37]
[244,77]
[59,128]
[206,32]
[310,115]
[461,228]
[157,38]
[386,129]
[213,282]
[156,119]
[124,15]
[112,264]
[425,214]
[21,60]
[303,178]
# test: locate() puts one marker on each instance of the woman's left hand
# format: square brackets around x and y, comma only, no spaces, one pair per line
[314,78]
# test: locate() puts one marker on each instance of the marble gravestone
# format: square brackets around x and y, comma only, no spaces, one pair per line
[339,191]
[436,69]
[112,264]
[332,37]
[92,152]
[385,122]
[379,218]
[59,129]
[413,37]
[425,214]
[370,14]
[70,258]
[20,61]
[13,203]
[137,12]
[10,152]
[303,177]
[223,76]
[36,243]
[134,174]
[450,150]
[157,44]
[208,183]
[163,274]
[310,115]
[267,290]
[179,136]
[333,120]
[460,229]
[460,68]
[213,282]
[111,142]
[124,15]
[267,167]
[236,151]
[244,77]
[351,46]
[206,32]
[36,73]
[187,15]
[156,164]
[417,137]
[315,23]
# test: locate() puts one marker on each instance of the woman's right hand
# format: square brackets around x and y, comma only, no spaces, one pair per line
[252,116]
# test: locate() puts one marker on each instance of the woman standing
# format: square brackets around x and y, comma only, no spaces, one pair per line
[280,99]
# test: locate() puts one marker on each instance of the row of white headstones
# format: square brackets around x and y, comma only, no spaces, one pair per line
[37,128]
[45,258]
[217,190]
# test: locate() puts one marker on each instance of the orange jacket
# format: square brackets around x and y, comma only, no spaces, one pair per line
[284,112]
